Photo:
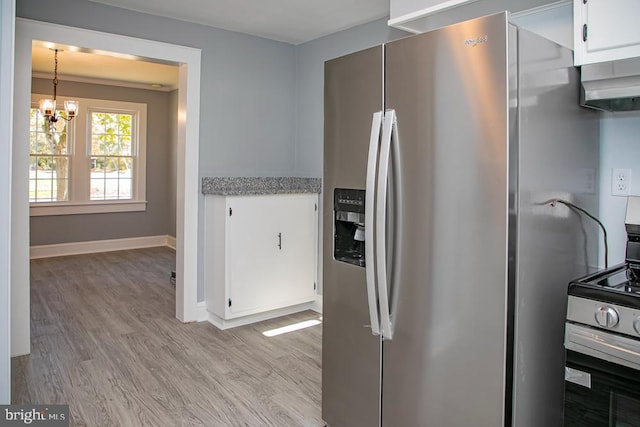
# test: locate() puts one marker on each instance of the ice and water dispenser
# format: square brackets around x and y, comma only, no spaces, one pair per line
[348,208]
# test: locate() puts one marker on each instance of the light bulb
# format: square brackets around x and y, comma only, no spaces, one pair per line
[71,107]
[47,107]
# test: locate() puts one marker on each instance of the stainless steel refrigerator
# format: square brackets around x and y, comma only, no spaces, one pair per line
[445,263]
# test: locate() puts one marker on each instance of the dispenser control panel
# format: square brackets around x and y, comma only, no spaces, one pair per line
[348,207]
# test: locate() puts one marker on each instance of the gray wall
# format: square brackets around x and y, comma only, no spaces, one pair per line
[247,95]
[156,220]
[173,164]
[619,148]
[309,65]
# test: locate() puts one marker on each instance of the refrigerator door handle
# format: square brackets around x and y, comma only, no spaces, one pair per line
[396,220]
[381,224]
[369,248]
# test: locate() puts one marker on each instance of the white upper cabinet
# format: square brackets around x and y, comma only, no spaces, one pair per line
[419,16]
[605,30]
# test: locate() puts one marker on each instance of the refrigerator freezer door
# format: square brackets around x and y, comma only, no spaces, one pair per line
[350,352]
[370,204]
[446,363]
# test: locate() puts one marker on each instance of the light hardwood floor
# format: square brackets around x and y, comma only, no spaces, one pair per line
[104,339]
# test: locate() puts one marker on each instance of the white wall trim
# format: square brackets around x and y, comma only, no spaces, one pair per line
[317,304]
[48,209]
[7,34]
[223,324]
[96,246]
[203,313]
[20,295]
[99,81]
[171,242]
[188,131]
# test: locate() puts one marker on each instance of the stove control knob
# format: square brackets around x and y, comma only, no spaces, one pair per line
[607,317]
[636,325]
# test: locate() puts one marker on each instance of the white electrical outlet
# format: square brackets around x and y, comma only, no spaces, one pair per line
[620,182]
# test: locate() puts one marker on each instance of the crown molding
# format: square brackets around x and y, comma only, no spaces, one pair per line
[106,82]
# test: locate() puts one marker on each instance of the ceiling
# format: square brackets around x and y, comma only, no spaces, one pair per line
[289,21]
[75,64]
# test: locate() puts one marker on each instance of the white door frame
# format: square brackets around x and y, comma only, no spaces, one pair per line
[187,161]
[7,35]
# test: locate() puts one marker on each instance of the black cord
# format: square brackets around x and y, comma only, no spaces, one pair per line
[604,230]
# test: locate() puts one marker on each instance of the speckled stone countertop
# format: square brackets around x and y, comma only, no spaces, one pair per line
[245,186]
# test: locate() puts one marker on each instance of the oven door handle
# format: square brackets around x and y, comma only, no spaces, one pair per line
[602,345]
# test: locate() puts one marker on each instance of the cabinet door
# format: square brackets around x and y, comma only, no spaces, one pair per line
[251,247]
[271,246]
[606,30]
[295,270]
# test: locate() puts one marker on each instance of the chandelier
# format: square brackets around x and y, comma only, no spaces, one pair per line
[48,106]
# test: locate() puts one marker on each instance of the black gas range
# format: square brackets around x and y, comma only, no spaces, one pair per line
[602,339]
[619,284]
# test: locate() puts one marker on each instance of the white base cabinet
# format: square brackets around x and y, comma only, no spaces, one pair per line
[260,253]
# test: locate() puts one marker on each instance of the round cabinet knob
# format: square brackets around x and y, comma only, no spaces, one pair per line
[636,325]
[607,317]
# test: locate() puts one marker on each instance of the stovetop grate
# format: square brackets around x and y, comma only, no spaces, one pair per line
[618,285]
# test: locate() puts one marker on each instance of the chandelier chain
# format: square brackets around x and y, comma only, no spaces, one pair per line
[48,106]
[55,75]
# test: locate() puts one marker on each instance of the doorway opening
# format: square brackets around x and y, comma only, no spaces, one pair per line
[188,61]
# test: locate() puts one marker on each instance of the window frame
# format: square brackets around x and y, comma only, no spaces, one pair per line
[79,200]
[70,135]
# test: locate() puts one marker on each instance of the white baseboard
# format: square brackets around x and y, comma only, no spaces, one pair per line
[171,242]
[79,248]
[317,304]
[221,323]
[202,314]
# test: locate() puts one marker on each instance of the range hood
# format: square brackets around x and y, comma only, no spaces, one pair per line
[611,86]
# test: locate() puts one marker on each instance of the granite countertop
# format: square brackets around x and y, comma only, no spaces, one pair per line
[246,186]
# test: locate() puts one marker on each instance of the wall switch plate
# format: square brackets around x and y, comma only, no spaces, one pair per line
[620,182]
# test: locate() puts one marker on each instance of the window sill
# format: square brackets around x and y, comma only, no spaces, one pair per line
[110,206]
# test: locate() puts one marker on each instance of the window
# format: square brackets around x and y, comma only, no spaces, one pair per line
[94,163]
[48,159]
[111,156]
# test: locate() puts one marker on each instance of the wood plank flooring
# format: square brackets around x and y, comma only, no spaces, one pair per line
[104,339]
